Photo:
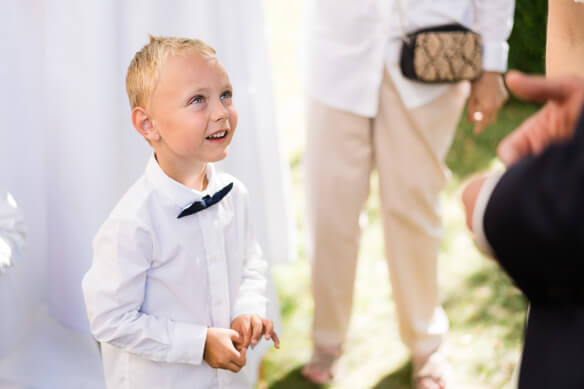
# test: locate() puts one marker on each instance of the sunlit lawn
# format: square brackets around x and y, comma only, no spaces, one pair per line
[485,311]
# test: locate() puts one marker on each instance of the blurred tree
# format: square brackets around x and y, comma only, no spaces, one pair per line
[527,40]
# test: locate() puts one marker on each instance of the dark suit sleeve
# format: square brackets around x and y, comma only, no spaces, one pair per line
[534,221]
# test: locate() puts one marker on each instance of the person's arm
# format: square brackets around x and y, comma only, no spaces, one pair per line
[494,19]
[114,289]
[534,221]
[565,38]
[12,231]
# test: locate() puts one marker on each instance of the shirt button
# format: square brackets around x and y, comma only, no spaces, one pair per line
[212,258]
[218,302]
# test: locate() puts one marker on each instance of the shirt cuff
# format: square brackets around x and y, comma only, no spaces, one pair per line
[479,212]
[249,306]
[188,343]
[495,56]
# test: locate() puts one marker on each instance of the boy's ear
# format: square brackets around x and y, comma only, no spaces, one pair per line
[143,124]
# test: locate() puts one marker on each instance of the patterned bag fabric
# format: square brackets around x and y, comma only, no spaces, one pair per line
[448,53]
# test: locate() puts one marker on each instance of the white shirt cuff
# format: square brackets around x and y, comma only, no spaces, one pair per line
[479,212]
[495,56]
[188,343]
[250,306]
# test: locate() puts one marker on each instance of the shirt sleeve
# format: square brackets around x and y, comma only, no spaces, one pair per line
[479,212]
[494,20]
[12,230]
[251,298]
[114,289]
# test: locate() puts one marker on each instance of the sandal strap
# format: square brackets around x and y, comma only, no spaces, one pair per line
[436,366]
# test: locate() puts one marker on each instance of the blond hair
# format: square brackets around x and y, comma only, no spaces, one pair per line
[144,70]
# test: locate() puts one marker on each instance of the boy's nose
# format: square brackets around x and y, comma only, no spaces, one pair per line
[219,111]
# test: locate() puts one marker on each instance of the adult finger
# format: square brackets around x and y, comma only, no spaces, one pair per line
[527,139]
[538,88]
[471,110]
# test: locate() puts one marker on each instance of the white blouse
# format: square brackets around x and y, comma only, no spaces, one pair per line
[157,282]
[349,44]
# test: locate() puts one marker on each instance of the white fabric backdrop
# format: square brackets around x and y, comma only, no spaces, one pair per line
[68,149]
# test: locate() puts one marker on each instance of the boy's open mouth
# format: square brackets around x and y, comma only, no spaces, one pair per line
[218,135]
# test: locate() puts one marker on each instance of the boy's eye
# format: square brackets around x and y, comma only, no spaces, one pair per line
[197,100]
[226,95]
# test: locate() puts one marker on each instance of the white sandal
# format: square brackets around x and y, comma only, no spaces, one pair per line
[325,360]
[436,367]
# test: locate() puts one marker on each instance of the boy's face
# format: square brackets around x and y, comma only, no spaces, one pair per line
[191,110]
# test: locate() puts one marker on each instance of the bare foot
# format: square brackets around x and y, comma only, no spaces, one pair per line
[316,374]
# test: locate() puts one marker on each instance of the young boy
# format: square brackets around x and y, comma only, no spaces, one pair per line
[175,294]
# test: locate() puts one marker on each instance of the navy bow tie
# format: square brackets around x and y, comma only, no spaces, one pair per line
[205,202]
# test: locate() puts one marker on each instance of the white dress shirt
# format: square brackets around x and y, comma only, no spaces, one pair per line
[349,44]
[12,231]
[478,214]
[157,282]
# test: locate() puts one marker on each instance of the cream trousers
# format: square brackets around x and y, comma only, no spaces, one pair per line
[408,148]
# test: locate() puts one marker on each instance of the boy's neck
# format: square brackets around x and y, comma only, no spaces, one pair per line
[192,176]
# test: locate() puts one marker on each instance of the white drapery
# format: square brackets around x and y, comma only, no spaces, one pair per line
[68,149]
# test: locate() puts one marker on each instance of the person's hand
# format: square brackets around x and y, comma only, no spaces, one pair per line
[469,197]
[220,351]
[251,328]
[555,122]
[487,95]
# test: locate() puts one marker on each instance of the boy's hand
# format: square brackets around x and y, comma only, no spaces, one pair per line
[251,328]
[220,352]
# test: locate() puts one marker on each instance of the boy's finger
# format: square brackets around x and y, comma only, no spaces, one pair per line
[233,367]
[235,336]
[268,328]
[257,328]
[245,333]
[275,339]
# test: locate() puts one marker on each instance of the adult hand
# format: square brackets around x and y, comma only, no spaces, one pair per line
[220,352]
[487,96]
[469,197]
[553,123]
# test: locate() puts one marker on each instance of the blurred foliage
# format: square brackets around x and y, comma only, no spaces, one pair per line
[527,41]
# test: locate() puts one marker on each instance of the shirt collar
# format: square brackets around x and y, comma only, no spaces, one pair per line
[180,194]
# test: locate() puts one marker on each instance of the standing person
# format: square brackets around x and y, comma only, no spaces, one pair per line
[177,287]
[362,113]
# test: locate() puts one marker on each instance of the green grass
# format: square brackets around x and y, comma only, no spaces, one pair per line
[486,312]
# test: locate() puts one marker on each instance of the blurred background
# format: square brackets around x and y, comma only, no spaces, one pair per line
[67,160]
[486,312]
